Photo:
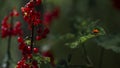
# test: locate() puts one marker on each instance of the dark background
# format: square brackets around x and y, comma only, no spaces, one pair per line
[104,10]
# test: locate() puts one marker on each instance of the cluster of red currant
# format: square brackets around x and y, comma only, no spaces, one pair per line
[27,55]
[7,29]
[35,19]
[28,60]
[31,16]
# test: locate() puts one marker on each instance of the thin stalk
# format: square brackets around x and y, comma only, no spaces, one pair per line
[32,38]
[87,58]
[8,52]
[32,41]
[101,58]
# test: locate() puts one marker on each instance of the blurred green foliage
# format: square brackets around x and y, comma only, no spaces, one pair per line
[84,31]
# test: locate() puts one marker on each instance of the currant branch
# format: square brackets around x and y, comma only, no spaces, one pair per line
[32,38]
[9,46]
[8,30]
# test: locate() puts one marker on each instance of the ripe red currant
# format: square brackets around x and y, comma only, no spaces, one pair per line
[38,38]
[38,2]
[20,40]
[36,50]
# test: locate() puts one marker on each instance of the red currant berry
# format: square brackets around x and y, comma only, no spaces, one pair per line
[38,2]
[38,38]
[17,24]
[21,46]
[25,65]
[20,40]
[28,51]
[14,13]
[36,50]
[56,12]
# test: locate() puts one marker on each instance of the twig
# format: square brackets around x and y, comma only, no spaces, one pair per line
[8,56]
[32,38]
[32,35]
[88,60]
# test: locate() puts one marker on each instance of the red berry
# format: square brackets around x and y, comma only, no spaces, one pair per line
[4,32]
[21,46]
[6,18]
[29,56]
[36,50]
[38,2]
[28,50]
[25,65]
[17,24]
[48,18]
[30,4]
[37,22]
[24,58]
[14,13]
[56,12]
[38,38]
[20,40]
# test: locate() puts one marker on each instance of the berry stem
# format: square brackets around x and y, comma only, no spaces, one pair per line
[32,38]
[9,46]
